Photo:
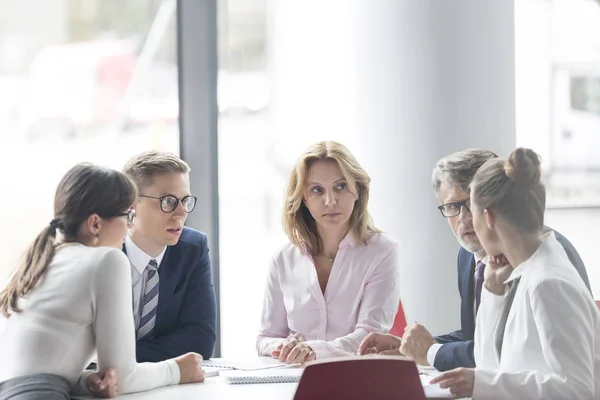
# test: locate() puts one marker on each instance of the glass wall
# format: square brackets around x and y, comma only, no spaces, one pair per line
[558,112]
[92,80]
[246,178]
[281,88]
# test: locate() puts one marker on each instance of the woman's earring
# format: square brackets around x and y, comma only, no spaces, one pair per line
[96,239]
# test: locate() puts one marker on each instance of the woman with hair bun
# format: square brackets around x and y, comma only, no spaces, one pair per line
[538,328]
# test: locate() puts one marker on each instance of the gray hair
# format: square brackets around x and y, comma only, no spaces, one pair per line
[459,168]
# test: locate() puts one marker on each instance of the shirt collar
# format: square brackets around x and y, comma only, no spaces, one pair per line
[547,238]
[138,257]
[348,241]
[478,259]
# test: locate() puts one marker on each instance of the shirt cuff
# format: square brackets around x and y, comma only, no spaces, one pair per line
[432,352]
[265,345]
[174,372]
[81,388]
[482,383]
[492,298]
[324,349]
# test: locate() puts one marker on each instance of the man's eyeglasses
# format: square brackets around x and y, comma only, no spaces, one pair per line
[130,216]
[450,210]
[169,203]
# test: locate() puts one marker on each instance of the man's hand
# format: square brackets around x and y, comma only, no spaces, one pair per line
[496,273]
[416,342]
[104,384]
[460,381]
[379,343]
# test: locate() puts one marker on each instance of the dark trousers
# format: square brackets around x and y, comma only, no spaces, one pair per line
[35,387]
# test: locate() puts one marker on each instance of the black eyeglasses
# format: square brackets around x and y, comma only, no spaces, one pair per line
[130,216]
[450,210]
[169,203]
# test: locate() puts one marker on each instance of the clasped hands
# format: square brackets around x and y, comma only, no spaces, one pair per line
[294,349]
[414,344]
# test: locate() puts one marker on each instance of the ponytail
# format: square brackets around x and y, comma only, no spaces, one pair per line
[38,257]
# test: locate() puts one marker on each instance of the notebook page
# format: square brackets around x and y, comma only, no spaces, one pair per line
[250,365]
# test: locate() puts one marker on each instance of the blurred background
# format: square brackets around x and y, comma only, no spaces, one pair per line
[96,80]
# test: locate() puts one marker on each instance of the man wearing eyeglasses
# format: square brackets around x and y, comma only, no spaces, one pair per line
[174,305]
[452,176]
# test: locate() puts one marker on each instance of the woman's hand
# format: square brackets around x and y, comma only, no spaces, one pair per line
[497,271]
[460,381]
[190,368]
[104,384]
[294,350]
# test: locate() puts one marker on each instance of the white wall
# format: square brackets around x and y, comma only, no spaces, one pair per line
[433,77]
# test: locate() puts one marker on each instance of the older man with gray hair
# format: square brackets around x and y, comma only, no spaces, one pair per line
[451,178]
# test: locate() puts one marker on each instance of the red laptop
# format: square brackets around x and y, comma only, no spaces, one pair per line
[368,378]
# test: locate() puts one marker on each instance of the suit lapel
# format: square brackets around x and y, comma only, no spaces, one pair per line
[499,336]
[468,302]
[168,273]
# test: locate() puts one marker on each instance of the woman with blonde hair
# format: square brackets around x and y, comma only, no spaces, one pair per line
[337,280]
[538,328]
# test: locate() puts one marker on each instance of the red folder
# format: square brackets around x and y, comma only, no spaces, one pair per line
[365,378]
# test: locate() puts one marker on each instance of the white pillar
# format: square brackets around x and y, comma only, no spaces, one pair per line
[402,83]
[434,77]
[312,54]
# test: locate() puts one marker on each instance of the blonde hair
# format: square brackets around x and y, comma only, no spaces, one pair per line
[512,188]
[144,166]
[298,223]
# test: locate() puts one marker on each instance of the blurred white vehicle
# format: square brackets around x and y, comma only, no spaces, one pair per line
[75,87]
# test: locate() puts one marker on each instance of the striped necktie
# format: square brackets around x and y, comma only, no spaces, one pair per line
[149,301]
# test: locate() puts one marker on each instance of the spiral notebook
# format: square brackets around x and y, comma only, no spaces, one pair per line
[245,365]
[276,375]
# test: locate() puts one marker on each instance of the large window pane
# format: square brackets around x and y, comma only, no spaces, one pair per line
[286,80]
[558,112]
[92,80]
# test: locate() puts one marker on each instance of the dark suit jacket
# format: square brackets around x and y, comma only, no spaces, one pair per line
[457,346]
[186,315]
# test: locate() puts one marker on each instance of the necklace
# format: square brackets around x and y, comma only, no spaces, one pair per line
[65,244]
[330,259]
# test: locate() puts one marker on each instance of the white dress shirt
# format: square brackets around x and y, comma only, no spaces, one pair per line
[81,305]
[551,342]
[139,261]
[362,296]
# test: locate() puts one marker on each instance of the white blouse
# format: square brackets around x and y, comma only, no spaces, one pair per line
[82,305]
[551,343]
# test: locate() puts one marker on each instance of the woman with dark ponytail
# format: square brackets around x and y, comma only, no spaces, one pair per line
[70,299]
[538,327]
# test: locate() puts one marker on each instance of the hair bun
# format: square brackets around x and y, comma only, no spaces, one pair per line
[523,166]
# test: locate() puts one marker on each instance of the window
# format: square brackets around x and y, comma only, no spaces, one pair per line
[585,94]
[557,71]
[79,81]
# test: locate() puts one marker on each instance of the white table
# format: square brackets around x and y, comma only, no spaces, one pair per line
[216,388]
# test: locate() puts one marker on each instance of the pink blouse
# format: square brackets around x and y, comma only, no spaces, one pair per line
[362,296]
